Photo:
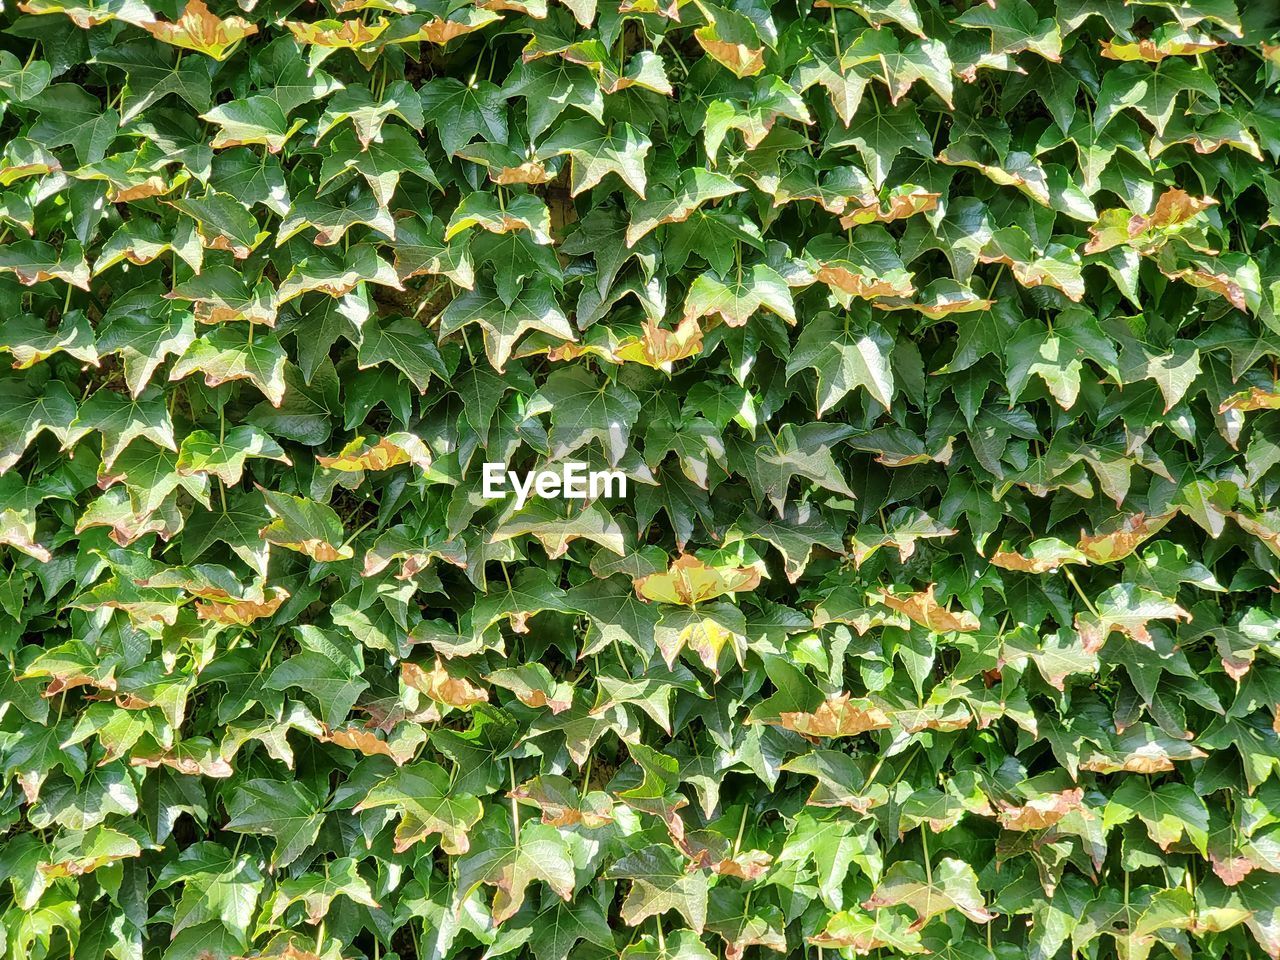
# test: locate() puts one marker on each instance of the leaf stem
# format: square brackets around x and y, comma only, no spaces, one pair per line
[924,842]
[515,804]
[742,826]
[358,530]
[1072,577]
[835,40]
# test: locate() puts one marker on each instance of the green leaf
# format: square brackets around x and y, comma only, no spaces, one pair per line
[305,526]
[596,151]
[951,885]
[504,323]
[674,205]
[1167,812]
[225,355]
[540,854]
[423,796]
[287,811]
[660,882]
[736,297]
[584,408]
[203,453]
[460,112]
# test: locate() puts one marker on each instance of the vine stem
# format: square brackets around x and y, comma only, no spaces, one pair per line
[222,436]
[1072,577]
[515,804]
[358,530]
[742,826]
[928,865]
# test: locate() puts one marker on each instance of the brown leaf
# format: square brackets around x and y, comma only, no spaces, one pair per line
[841,278]
[708,850]
[1042,811]
[531,172]
[241,612]
[1255,398]
[1206,279]
[1045,560]
[346,34]
[390,451]
[689,581]
[926,611]
[1231,868]
[364,739]
[838,716]
[441,686]
[1118,543]
[198,29]
[191,758]
[658,347]
[560,804]
[1153,51]
[898,206]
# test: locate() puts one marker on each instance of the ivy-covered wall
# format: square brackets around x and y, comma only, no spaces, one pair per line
[937,343]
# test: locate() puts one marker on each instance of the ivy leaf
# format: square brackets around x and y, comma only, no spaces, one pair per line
[557,928]
[460,113]
[152,74]
[285,810]
[423,796]
[504,323]
[695,188]
[843,359]
[540,854]
[690,581]
[120,420]
[220,294]
[224,356]
[925,610]
[305,526]
[69,115]
[878,12]
[584,408]
[735,298]
[550,85]
[33,261]
[1126,608]
[880,136]
[381,164]
[952,885]
[660,882]
[200,30]
[405,345]
[23,81]
[1016,27]
[318,891]
[731,39]
[866,931]
[1167,811]
[597,151]
[1152,91]
[555,531]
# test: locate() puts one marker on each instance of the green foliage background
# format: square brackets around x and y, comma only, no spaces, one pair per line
[939,344]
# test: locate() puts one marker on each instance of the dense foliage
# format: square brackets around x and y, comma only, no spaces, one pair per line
[938,342]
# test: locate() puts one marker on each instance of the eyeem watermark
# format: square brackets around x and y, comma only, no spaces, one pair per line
[573,481]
